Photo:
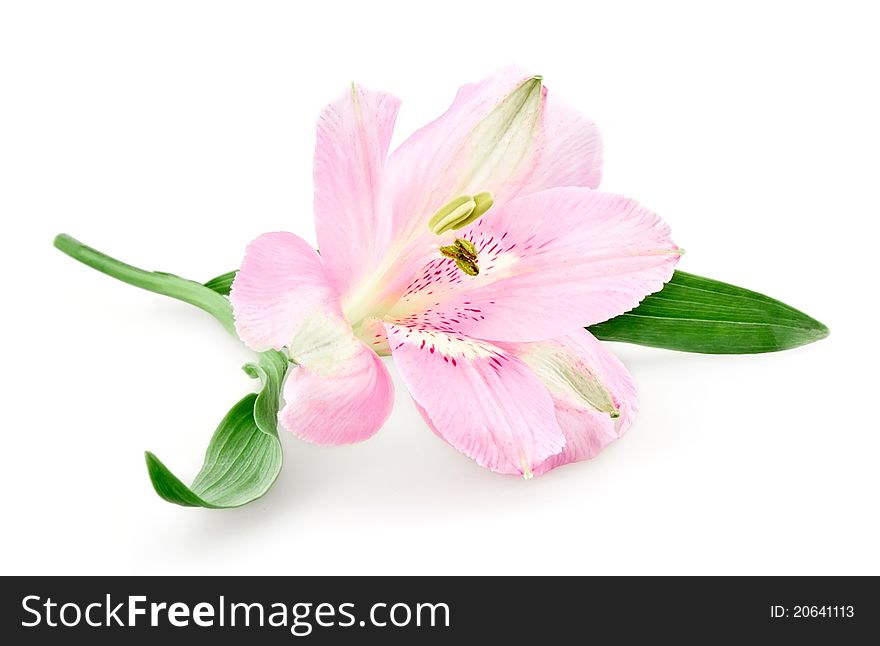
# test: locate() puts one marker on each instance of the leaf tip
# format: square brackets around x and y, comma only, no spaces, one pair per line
[816,329]
[154,465]
[821,330]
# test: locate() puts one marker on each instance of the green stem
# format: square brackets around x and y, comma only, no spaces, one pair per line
[184,290]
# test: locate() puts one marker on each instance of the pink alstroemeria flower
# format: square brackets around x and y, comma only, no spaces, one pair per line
[474,254]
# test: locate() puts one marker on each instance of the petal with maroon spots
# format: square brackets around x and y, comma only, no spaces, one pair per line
[481,399]
[506,135]
[549,263]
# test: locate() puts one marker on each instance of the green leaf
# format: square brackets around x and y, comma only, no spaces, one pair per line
[244,456]
[271,369]
[222,284]
[696,314]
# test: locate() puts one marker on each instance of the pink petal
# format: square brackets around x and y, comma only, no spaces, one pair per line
[426,170]
[549,263]
[594,394]
[487,141]
[481,399]
[570,152]
[281,282]
[339,392]
[352,212]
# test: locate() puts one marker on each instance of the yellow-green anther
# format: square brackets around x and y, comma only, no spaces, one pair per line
[467,247]
[450,251]
[454,219]
[460,212]
[451,213]
[468,266]
[464,253]
[482,203]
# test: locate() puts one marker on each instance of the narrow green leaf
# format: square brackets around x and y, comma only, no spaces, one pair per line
[244,456]
[696,314]
[222,284]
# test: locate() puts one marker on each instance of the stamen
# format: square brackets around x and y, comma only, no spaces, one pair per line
[482,203]
[460,212]
[450,251]
[451,213]
[467,266]
[466,247]
[465,255]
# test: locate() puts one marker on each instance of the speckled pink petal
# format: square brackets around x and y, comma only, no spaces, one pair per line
[352,209]
[280,283]
[481,399]
[594,394]
[549,263]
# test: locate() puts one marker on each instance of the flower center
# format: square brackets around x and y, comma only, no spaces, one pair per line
[380,291]
[455,215]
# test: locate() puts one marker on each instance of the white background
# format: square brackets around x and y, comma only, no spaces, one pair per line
[170,134]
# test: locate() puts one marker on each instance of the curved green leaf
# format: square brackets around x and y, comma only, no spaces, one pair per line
[222,284]
[695,314]
[244,456]
[271,369]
